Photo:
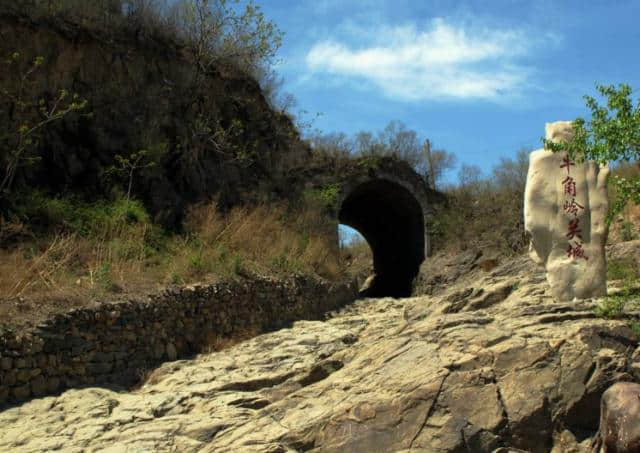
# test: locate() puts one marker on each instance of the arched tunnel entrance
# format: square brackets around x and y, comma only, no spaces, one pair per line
[391,220]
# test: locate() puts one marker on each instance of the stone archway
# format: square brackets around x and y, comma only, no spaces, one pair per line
[391,216]
[390,204]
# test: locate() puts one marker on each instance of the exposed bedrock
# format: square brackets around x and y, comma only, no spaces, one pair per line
[491,364]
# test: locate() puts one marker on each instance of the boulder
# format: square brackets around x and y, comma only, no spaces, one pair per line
[565,209]
[619,430]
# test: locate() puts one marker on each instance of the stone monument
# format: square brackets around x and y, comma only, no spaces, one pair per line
[565,209]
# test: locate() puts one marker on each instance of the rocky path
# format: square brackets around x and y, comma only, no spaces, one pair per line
[492,362]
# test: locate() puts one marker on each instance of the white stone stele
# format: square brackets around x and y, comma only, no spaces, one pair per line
[547,222]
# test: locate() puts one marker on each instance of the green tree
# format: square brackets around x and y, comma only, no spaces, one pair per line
[612,134]
[216,31]
[127,166]
[24,116]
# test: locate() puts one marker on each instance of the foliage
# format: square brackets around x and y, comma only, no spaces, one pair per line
[394,140]
[622,269]
[75,216]
[25,115]
[128,165]
[612,306]
[105,247]
[612,134]
[327,197]
[192,129]
[214,30]
[484,210]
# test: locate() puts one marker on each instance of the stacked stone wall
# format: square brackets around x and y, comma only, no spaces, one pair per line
[115,343]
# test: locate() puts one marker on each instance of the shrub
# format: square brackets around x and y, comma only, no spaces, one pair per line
[622,269]
[485,211]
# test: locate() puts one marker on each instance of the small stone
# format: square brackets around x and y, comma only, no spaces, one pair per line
[21,393]
[24,375]
[36,372]
[10,377]
[5,363]
[79,369]
[37,347]
[41,360]
[99,367]
[171,351]
[53,383]
[158,351]
[21,363]
[38,386]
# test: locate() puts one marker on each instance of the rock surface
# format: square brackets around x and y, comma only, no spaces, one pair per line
[565,211]
[620,419]
[492,364]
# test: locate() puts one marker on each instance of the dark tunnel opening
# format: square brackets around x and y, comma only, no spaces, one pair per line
[391,220]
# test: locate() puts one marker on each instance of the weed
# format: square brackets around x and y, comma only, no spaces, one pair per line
[627,230]
[176,279]
[611,306]
[622,269]
[635,328]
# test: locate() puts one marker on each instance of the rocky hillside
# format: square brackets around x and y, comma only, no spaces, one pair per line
[203,131]
[488,361]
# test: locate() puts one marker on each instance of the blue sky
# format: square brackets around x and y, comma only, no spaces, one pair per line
[478,78]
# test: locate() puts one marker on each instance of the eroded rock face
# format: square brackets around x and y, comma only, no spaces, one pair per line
[491,364]
[565,210]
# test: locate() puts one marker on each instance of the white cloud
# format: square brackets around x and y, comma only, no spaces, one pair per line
[443,62]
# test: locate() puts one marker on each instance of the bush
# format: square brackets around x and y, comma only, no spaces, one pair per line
[485,211]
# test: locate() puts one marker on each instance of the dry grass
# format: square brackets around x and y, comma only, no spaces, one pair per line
[358,259]
[129,256]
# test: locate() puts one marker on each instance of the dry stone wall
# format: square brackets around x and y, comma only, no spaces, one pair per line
[114,343]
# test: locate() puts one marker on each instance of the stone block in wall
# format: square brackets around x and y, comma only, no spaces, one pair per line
[172,354]
[21,392]
[6,363]
[22,362]
[38,386]
[94,368]
[4,394]
[10,377]
[23,375]
[41,361]
[53,384]
[158,351]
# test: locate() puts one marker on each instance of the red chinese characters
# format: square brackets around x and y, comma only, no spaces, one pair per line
[573,208]
[569,185]
[574,229]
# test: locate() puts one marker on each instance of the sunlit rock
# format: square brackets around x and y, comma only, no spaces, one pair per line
[565,209]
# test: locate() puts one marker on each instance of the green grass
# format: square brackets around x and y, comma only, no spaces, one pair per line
[622,269]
